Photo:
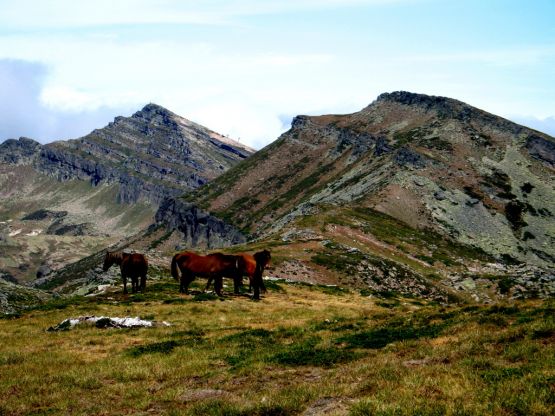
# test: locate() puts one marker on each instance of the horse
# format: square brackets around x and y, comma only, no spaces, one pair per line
[131,265]
[250,268]
[262,259]
[212,266]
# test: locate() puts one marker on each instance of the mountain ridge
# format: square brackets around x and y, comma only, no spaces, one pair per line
[428,161]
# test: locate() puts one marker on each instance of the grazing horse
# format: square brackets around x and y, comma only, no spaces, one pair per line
[250,268]
[262,259]
[213,266]
[131,265]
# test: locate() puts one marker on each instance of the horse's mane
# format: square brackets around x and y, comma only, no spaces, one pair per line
[115,256]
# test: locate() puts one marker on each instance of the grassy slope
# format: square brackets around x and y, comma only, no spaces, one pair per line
[302,347]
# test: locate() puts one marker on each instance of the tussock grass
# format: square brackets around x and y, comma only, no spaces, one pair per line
[280,356]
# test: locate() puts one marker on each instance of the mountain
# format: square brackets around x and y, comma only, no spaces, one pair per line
[414,195]
[427,183]
[65,200]
[150,155]
[430,162]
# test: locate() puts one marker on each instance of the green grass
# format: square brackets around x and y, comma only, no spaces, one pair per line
[297,347]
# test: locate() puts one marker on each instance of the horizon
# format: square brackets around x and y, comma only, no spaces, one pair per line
[244,69]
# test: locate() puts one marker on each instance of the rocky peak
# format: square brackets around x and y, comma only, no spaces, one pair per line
[19,151]
[446,107]
[152,112]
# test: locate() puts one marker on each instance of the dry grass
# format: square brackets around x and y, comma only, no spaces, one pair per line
[300,349]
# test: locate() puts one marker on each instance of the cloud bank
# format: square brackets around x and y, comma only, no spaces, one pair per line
[23,112]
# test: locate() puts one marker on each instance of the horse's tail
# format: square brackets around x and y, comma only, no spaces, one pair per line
[175,272]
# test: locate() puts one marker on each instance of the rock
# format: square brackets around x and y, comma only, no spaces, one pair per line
[418,181]
[541,148]
[199,229]
[106,322]
[22,151]
[59,228]
[43,214]
[409,157]
[43,270]
[440,195]
[16,298]
[472,201]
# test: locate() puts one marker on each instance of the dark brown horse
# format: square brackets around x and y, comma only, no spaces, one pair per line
[213,266]
[262,259]
[250,268]
[131,265]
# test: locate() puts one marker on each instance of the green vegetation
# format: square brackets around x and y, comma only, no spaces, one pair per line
[284,355]
[438,143]
[426,245]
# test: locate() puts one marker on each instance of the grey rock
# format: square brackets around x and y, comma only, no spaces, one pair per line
[199,229]
[440,195]
[22,151]
[541,148]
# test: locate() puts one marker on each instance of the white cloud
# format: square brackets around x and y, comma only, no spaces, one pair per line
[81,13]
[22,112]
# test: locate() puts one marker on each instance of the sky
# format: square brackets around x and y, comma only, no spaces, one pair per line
[244,68]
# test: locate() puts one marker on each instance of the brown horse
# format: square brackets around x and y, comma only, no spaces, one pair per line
[262,259]
[213,266]
[131,265]
[250,268]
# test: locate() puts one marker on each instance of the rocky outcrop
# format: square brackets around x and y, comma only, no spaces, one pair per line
[542,149]
[15,298]
[44,214]
[22,151]
[60,228]
[199,228]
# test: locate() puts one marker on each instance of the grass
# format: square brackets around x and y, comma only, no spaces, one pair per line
[298,347]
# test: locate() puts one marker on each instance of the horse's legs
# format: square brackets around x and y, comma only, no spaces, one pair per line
[237,283]
[218,283]
[208,283]
[186,279]
[182,283]
[143,282]
[124,284]
[256,284]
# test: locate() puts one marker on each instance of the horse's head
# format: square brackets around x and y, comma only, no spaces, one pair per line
[108,261]
[262,259]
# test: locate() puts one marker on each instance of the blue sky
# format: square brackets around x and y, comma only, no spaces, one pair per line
[245,67]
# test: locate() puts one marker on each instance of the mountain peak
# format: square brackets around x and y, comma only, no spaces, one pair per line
[411,98]
[151,111]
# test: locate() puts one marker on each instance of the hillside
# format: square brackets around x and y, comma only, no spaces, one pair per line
[430,162]
[65,200]
[303,350]
[456,197]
